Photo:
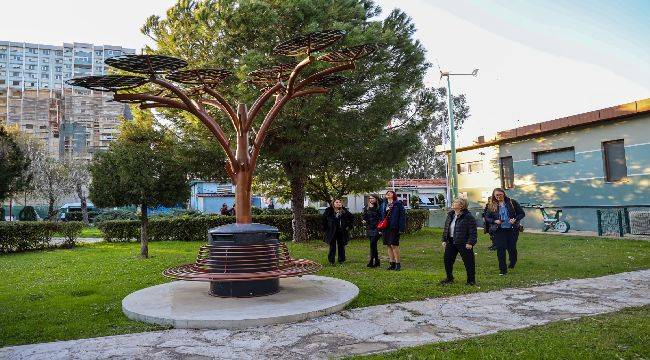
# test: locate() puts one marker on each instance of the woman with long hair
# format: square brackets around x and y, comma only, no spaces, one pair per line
[371,217]
[393,210]
[503,215]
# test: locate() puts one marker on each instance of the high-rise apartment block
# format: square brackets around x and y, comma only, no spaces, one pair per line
[73,122]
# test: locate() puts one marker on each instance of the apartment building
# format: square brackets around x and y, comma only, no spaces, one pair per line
[72,122]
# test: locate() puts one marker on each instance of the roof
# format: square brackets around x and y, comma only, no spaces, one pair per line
[417,182]
[557,125]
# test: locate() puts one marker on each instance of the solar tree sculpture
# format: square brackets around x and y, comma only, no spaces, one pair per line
[192,90]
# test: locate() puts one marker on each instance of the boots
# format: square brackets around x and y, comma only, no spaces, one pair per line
[398,267]
[371,263]
[376,262]
[392,266]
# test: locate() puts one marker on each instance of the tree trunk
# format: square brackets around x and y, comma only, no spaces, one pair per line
[84,204]
[144,236]
[298,222]
[243,203]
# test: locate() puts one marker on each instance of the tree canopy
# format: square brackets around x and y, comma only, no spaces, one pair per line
[142,167]
[13,165]
[349,140]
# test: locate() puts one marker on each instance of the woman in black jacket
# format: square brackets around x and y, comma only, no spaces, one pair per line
[337,223]
[503,216]
[459,237]
[371,217]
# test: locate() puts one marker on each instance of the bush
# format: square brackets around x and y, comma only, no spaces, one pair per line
[108,215]
[2,213]
[195,228]
[27,214]
[177,213]
[33,235]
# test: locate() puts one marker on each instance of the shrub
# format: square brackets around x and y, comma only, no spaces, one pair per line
[108,215]
[27,214]
[2,213]
[33,235]
[195,228]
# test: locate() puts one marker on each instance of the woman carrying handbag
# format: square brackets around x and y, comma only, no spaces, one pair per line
[392,225]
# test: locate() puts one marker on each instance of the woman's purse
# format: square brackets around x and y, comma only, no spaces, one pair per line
[383,224]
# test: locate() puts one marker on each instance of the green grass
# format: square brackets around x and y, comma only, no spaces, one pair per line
[87,232]
[620,335]
[76,293]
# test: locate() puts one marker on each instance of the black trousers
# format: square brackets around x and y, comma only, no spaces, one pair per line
[506,240]
[374,253]
[336,243]
[451,252]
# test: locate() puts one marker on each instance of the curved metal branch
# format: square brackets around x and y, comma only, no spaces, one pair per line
[259,103]
[225,107]
[319,75]
[200,113]
[164,101]
[296,71]
[261,134]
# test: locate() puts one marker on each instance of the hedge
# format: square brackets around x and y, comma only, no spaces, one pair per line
[195,228]
[16,236]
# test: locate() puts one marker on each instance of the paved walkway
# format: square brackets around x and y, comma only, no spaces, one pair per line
[60,240]
[589,233]
[371,329]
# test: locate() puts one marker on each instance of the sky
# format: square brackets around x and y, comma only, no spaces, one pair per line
[537,60]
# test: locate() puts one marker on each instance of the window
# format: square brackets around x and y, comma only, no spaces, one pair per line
[45,68]
[555,156]
[614,160]
[46,52]
[470,167]
[507,173]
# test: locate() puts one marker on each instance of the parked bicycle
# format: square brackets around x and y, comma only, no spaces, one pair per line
[552,222]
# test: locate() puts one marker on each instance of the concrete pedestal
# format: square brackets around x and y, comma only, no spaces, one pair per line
[188,304]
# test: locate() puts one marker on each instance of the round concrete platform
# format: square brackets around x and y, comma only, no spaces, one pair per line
[187,304]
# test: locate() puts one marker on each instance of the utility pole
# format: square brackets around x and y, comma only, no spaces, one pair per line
[452,135]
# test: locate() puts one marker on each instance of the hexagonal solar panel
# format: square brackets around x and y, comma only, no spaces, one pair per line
[199,76]
[306,44]
[273,72]
[146,64]
[329,81]
[108,82]
[349,54]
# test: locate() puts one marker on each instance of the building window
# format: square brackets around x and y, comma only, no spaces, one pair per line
[507,173]
[470,167]
[46,52]
[555,156]
[614,160]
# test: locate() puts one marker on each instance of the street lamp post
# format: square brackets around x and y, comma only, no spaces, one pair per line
[452,133]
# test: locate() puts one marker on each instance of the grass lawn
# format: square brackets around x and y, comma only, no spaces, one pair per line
[87,232]
[620,335]
[76,293]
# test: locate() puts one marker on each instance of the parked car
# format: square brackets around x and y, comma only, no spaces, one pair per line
[72,211]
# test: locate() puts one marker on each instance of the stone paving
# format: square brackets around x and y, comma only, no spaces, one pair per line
[370,329]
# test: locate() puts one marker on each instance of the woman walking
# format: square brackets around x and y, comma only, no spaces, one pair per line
[459,237]
[337,222]
[503,216]
[393,211]
[371,217]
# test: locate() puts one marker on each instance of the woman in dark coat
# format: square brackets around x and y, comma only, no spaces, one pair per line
[459,237]
[393,209]
[503,216]
[371,217]
[337,223]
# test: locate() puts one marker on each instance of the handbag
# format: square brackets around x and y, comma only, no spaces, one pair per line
[383,224]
